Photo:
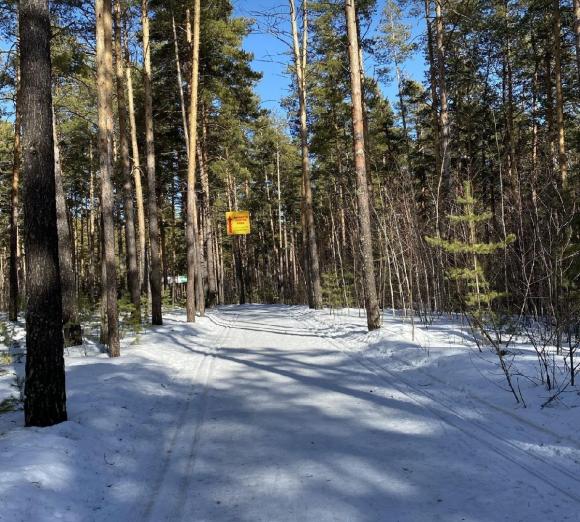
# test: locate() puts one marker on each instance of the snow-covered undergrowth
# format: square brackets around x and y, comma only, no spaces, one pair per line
[12,350]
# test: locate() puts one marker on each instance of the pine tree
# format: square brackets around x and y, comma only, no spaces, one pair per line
[154,231]
[104,21]
[477,292]
[195,294]
[45,391]
[363,199]
[471,278]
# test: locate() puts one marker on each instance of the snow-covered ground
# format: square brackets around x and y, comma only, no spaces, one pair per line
[276,413]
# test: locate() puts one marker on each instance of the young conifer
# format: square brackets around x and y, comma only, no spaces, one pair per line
[478,293]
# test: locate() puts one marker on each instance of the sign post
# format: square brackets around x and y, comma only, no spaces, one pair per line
[238,223]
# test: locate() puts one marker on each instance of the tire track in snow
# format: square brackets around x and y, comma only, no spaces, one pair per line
[169,492]
[569,483]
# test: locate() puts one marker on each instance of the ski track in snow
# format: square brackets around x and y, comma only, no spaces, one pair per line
[446,410]
[167,498]
[272,413]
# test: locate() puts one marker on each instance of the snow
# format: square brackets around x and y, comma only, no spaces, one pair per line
[278,413]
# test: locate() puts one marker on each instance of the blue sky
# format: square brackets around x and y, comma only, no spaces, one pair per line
[271,55]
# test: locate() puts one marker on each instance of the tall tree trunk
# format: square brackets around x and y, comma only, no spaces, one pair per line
[281,271]
[281,268]
[104,333]
[155,275]
[142,256]
[16,166]
[44,392]
[194,276]
[105,110]
[198,226]
[93,245]
[133,283]
[313,275]
[549,104]
[562,160]
[220,265]
[70,319]
[239,267]
[577,35]
[512,163]
[206,213]
[370,288]
[433,87]
[180,83]
[444,186]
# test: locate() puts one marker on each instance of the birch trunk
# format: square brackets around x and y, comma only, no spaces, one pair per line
[16,166]
[562,160]
[313,272]
[180,84]
[444,186]
[142,256]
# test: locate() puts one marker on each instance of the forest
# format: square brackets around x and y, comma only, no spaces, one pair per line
[128,129]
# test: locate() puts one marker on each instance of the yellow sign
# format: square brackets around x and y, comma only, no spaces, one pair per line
[238,223]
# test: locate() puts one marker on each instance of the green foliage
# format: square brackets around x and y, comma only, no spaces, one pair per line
[6,334]
[130,321]
[476,291]
[8,405]
[460,247]
[331,290]
[393,45]
[86,308]
[336,291]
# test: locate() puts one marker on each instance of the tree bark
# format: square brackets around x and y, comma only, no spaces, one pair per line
[93,246]
[562,160]
[191,231]
[208,225]
[180,83]
[105,116]
[577,34]
[155,275]
[44,392]
[315,293]
[370,289]
[142,256]
[133,283]
[433,86]
[282,278]
[71,326]
[16,166]
[444,186]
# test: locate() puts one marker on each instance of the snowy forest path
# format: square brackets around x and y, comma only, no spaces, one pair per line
[290,427]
